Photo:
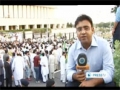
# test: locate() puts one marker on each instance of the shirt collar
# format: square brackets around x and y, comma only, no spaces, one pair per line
[94,43]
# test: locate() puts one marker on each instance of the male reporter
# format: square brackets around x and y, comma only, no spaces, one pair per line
[98,53]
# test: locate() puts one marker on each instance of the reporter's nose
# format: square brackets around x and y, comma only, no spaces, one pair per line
[83,31]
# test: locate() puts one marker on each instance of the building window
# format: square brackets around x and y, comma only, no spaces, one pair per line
[38,26]
[45,25]
[31,26]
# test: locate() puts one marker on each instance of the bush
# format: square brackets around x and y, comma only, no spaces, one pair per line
[41,30]
[60,35]
[21,30]
[2,32]
[116,56]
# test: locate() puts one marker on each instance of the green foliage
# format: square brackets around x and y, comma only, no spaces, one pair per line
[70,25]
[2,32]
[114,9]
[13,31]
[117,62]
[60,35]
[41,30]
[104,30]
[104,25]
[21,30]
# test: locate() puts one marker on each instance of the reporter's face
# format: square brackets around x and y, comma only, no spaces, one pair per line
[84,31]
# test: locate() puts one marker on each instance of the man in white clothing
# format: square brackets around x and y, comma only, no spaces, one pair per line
[18,68]
[27,65]
[32,55]
[55,55]
[51,65]
[44,67]
[62,67]
[59,53]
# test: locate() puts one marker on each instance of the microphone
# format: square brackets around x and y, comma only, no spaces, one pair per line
[82,62]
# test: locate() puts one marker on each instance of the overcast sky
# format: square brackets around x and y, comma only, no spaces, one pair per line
[99,13]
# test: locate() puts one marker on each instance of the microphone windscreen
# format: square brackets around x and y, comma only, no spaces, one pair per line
[82,59]
[86,67]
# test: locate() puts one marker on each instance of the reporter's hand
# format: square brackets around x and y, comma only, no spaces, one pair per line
[87,84]
[79,76]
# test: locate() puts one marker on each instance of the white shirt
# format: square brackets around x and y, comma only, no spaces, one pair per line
[26,59]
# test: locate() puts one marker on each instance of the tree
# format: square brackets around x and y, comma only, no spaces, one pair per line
[70,25]
[60,35]
[114,9]
[102,30]
[104,25]
[67,24]
[41,30]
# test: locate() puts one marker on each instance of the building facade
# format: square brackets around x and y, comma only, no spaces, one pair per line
[17,17]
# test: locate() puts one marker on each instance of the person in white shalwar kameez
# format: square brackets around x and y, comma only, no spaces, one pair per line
[44,67]
[59,51]
[55,55]
[32,55]
[51,65]
[18,67]
[62,67]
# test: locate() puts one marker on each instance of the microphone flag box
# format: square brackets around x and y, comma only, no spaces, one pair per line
[95,75]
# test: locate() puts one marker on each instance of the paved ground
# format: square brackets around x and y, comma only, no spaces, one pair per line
[57,82]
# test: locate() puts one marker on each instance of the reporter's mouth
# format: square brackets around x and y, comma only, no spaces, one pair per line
[83,37]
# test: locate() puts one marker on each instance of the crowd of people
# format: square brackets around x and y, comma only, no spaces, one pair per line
[32,59]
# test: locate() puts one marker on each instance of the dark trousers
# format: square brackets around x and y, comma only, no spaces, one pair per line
[116,35]
[2,80]
[40,75]
[37,73]
[76,84]
[9,82]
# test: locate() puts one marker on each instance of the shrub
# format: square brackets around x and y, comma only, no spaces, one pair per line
[21,30]
[60,35]
[116,56]
[41,30]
